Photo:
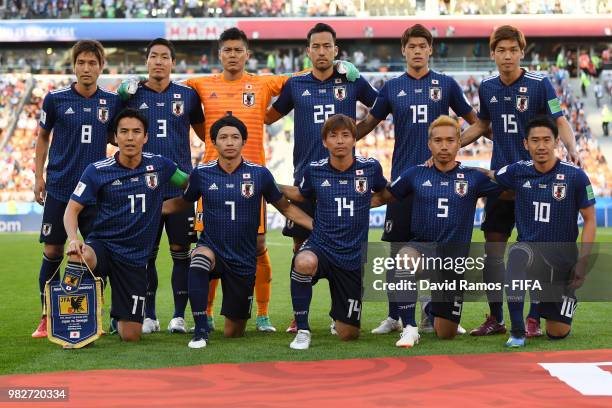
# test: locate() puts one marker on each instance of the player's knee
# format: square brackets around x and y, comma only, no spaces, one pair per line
[130,332]
[347,332]
[557,330]
[53,251]
[305,263]
[446,334]
[234,328]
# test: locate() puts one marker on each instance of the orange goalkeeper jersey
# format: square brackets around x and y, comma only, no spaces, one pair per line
[247,99]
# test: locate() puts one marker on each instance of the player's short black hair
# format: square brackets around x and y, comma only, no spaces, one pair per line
[228,120]
[92,46]
[321,28]
[130,113]
[417,31]
[165,43]
[542,121]
[233,33]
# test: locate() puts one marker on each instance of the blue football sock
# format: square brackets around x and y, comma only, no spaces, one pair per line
[47,269]
[533,311]
[518,263]
[407,311]
[393,312]
[197,287]
[494,272]
[151,286]
[180,269]
[301,295]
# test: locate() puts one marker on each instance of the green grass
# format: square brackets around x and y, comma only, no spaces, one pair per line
[19,315]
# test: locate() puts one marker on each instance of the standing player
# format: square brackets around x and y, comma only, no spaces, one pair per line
[171,108]
[80,118]
[246,96]
[232,190]
[316,96]
[342,185]
[446,194]
[507,102]
[549,194]
[128,190]
[415,100]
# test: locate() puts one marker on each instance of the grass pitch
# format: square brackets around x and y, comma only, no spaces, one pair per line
[20,309]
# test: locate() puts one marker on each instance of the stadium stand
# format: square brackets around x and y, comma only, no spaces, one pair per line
[47,9]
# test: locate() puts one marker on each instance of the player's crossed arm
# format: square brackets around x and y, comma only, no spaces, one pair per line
[382,197]
[293,213]
[481,127]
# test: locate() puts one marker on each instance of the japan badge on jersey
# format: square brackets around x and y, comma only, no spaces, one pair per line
[248,99]
[559,191]
[361,185]
[151,180]
[178,107]
[435,93]
[461,187]
[103,114]
[247,189]
[340,93]
[522,103]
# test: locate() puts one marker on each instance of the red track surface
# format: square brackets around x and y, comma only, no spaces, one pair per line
[503,379]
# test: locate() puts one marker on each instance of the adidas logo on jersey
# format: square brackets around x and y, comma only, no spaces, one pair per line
[306,93]
[401,93]
[213,186]
[493,99]
[527,184]
[325,184]
[69,111]
[144,106]
[427,183]
[116,183]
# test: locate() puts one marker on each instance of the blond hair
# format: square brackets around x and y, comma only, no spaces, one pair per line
[444,120]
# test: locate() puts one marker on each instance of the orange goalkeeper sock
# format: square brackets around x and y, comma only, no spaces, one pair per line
[263,283]
[212,291]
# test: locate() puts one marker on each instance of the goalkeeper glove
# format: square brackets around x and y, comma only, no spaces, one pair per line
[128,87]
[346,68]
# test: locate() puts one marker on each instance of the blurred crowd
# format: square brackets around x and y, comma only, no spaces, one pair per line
[17,158]
[48,9]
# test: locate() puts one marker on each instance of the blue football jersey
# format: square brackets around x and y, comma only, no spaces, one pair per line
[232,207]
[547,204]
[445,203]
[414,104]
[314,101]
[510,108]
[342,214]
[80,133]
[129,203]
[170,113]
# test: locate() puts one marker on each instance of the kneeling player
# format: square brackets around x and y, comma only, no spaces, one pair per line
[232,190]
[549,194]
[127,189]
[342,185]
[445,197]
